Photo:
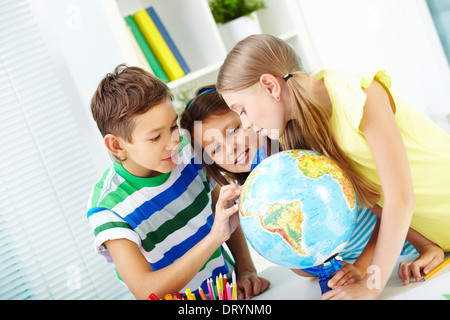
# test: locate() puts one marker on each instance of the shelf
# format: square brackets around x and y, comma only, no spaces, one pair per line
[197,36]
[189,23]
[288,36]
[195,75]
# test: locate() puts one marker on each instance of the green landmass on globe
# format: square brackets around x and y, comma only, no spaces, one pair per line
[286,220]
[316,165]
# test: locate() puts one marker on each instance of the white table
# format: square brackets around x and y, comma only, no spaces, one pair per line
[286,285]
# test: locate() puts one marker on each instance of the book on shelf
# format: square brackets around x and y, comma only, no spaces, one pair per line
[143,63]
[158,45]
[166,36]
[145,49]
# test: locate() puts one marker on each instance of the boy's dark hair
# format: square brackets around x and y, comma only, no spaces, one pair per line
[123,94]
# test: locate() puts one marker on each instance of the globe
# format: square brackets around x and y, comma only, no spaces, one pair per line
[298,209]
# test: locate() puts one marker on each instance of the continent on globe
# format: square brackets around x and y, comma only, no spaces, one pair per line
[286,220]
[316,165]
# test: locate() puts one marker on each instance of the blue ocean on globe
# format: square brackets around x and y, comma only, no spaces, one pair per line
[298,208]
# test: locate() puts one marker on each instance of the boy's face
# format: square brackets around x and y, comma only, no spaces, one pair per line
[155,142]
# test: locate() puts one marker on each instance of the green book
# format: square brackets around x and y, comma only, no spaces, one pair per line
[146,50]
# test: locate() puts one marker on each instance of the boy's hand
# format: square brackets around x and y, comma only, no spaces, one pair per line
[430,257]
[348,274]
[226,217]
[249,284]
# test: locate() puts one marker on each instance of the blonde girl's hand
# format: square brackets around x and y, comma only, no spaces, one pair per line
[355,291]
[430,257]
[226,217]
[348,274]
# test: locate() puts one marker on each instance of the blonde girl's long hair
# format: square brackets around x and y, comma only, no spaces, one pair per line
[264,54]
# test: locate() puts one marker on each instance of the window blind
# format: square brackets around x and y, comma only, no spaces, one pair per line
[440,11]
[46,245]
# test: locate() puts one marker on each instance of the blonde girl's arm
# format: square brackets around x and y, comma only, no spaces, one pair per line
[142,280]
[431,255]
[383,136]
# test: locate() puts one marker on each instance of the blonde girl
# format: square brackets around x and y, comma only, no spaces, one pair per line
[395,157]
[229,154]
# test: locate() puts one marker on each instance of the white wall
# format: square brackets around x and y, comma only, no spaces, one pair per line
[347,34]
[80,37]
[395,35]
[84,35]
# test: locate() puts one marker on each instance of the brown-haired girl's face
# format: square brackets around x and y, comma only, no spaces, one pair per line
[224,140]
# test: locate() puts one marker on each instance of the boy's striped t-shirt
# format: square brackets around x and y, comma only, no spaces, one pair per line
[165,216]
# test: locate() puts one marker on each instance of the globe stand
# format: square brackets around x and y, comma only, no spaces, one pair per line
[325,272]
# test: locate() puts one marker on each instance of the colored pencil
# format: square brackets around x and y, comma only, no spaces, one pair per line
[219,281]
[221,290]
[234,293]
[228,289]
[202,293]
[213,288]
[439,267]
[220,294]
[209,290]
[189,294]
[153,296]
[225,291]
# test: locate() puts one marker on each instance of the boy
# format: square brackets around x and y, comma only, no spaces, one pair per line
[151,210]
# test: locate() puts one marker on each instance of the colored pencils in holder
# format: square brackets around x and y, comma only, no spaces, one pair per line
[220,290]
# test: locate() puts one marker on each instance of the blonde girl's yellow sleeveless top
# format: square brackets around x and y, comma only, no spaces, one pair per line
[427,145]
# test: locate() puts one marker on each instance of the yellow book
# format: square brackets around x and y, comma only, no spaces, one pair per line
[156,42]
